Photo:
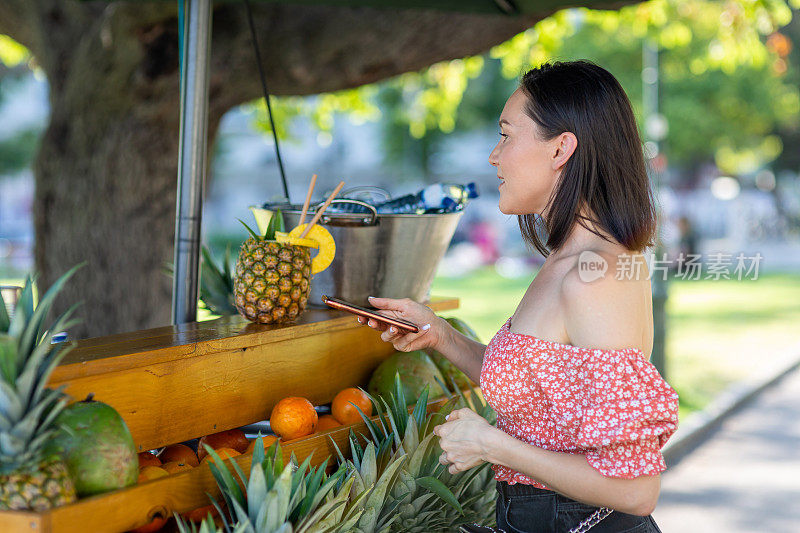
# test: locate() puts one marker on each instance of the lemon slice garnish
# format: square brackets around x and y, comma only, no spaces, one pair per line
[327,246]
[288,239]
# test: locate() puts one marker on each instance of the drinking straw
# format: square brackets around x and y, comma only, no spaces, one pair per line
[322,210]
[308,199]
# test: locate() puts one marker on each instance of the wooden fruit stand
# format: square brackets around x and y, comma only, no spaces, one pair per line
[177,383]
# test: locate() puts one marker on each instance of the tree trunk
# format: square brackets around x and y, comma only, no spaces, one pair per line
[106,169]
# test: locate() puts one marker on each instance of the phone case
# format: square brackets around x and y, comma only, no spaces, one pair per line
[341,305]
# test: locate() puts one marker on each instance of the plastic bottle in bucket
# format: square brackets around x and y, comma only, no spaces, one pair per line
[436,198]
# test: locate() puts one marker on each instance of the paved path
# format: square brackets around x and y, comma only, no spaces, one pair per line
[746,476]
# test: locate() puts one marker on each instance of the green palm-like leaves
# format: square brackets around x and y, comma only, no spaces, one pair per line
[27,359]
[216,283]
[280,498]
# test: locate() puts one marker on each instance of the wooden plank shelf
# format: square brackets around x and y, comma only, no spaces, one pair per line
[176,383]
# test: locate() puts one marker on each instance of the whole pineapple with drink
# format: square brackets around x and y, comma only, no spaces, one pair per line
[273,272]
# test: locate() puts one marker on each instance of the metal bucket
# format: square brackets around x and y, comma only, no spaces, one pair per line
[393,256]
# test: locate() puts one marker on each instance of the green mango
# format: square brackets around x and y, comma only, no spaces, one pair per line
[96,446]
[463,328]
[416,371]
[448,369]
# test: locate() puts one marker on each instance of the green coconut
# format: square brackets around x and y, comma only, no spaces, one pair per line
[463,328]
[96,446]
[416,372]
[448,369]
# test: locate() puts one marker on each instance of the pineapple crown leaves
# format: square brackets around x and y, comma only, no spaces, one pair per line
[395,437]
[276,496]
[206,526]
[27,327]
[275,224]
[27,359]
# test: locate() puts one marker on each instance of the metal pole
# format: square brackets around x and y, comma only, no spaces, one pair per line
[650,75]
[191,157]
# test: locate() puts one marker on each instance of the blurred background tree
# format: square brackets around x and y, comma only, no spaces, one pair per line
[726,85]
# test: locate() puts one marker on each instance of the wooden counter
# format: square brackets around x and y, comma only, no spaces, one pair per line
[175,383]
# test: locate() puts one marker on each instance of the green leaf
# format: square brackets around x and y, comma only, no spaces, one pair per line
[251,232]
[256,490]
[227,484]
[275,224]
[24,309]
[420,410]
[5,321]
[259,453]
[439,488]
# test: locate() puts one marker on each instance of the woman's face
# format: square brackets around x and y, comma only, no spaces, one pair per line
[527,166]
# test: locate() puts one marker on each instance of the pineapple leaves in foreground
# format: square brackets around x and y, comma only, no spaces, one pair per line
[30,477]
[392,481]
[278,498]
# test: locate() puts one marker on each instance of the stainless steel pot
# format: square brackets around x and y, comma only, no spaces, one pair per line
[393,256]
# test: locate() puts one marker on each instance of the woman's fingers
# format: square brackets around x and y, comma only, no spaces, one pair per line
[389,304]
[408,342]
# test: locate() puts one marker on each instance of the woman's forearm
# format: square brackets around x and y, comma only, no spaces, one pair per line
[462,351]
[572,475]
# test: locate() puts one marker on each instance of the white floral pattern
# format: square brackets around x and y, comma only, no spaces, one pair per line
[612,406]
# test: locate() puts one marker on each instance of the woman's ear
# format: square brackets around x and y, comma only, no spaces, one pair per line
[564,146]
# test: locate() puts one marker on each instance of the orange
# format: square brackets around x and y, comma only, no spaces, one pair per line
[179,452]
[151,472]
[292,418]
[343,409]
[146,473]
[154,525]
[232,438]
[327,422]
[224,453]
[199,514]
[268,441]
[148,459]
[173,467]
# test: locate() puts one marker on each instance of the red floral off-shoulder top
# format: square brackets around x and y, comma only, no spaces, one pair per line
[610,405]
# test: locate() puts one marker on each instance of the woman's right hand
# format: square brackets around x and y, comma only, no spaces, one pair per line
[432,329]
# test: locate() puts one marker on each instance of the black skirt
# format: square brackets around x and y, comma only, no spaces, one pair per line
[526,509]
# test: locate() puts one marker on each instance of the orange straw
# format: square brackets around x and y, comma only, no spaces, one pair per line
[322,210]
[308,199]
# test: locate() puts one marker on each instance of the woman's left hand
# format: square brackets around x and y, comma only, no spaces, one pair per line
[462,440]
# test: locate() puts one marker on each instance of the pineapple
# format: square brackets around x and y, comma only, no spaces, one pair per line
[272,279]
[424,497]
[29,478]
[280,498]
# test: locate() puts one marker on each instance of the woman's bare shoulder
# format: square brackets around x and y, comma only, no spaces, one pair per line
[603,306]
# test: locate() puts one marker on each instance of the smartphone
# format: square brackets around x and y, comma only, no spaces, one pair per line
[336,303]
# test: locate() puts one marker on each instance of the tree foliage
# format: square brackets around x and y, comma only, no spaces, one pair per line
[726,87]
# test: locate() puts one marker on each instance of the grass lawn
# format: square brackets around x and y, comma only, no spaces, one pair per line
[718,332]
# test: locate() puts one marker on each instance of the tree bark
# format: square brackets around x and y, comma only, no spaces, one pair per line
[107,165]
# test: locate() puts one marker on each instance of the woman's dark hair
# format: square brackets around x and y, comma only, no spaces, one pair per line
[607,173]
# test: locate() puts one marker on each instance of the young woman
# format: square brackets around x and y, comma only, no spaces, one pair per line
[581,413]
